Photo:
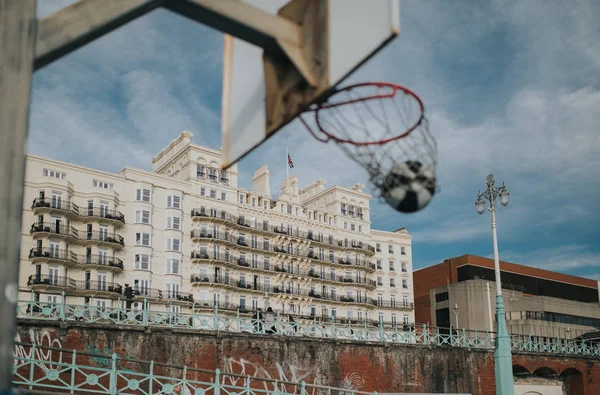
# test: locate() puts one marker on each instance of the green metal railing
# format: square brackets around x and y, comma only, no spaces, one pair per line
[294,326]
[58,370]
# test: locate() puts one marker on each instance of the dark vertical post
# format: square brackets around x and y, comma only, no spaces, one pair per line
[17,45]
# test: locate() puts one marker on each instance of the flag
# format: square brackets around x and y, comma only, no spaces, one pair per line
[290,163]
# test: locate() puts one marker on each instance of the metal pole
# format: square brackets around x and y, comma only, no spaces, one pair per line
[502,354]
[487,286]
[17,35]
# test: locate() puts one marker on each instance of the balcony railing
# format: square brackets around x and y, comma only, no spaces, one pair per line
[103,213]
[105,237]
[310,235]
[176,295]
[101,260]
[49,227]
[99,286]
[52,253]
[56,205]
[51,280]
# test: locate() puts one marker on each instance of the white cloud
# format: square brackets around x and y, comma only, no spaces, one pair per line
[565,258]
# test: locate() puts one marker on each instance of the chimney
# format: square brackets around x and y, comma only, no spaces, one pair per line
[260,182]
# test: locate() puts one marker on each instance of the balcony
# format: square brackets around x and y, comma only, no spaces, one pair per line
[178,296]
[243,262]
[242,242]
[65,232]
[48,282]
[199,255]
[102,288]
[105,238]
[101,261]
[113,217]
[52,255]
[54,206]
[393,305]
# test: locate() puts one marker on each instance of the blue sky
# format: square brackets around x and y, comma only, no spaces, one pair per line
[510,87]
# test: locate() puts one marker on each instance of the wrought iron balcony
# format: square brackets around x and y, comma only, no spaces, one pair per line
[44,280]
[179,296]
[104,237]
[53,228]
[99,212]
[101,260]
[94,286]
[55,206]
[52,254]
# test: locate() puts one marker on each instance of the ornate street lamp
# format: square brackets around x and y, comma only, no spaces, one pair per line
[502,354]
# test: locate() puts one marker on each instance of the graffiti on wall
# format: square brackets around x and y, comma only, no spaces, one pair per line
[47,357]
[352,382]
[122,362]
[283,372]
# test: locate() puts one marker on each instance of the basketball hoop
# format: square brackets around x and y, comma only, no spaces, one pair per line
[382,126]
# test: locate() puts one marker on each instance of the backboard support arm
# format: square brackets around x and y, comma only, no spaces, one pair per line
[17,38]
[29,44]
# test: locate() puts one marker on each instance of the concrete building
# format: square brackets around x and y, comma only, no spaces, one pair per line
[460,292]
[186,235]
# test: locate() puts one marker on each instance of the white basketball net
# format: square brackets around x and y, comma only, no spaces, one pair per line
[365,119]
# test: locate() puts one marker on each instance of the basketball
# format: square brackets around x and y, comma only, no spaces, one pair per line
[409,186]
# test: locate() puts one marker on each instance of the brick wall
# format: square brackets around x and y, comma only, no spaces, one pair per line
[424,280]
[375,367]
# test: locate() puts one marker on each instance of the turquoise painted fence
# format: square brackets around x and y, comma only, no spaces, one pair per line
[286,325]
[59,370]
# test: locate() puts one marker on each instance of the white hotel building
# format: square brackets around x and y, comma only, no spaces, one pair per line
[185,235]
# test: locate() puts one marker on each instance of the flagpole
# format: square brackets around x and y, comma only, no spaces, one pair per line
[287,167]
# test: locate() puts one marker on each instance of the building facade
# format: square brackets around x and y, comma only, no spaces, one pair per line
[186,236]
[460,292]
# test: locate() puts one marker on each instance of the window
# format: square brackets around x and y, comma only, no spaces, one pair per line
[142,262]
[142,287]
[441,297]
[173,290]
[253,202]
[224,177]
[213,194]
[174,223]
[173,202]
[173,266]
[102,283]
[242,303]
[142,239]
[103,257]
[330,220]
[345,225]
[241,199]
[265,204]
[360,228]
[402,250]
[381,318]
[54,174]
[405,319]
[267,284]
[53,274]
[104,207]
[352,227]
[351,211]
[379,267]
[391,266]
[313,311]
[404,283]
[392,283]
[212,174]
[223,196]
[52,299]
[142,217]
[391,249]
[404,268]
[343,208]
[394,321]
[359,212]
[267,263]
[289,208]
[202,191]
[200,171]
[378,248]
[103,184]
[103,233]
[173,244]
[392,301]
[380,281]
[56,200]
[143,195]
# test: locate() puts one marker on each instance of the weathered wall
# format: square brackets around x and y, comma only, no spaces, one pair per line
[370,367]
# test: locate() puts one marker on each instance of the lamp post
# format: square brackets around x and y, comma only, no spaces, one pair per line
[502,354]
[456,314]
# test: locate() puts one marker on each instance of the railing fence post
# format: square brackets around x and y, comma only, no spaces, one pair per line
[151,373]
[145,312]
[302,388]
[63,306]
[217,390]
[113,375]
[277,323]
[216,326]
[381,332]
[73,365]
[32,358]
[424,332]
